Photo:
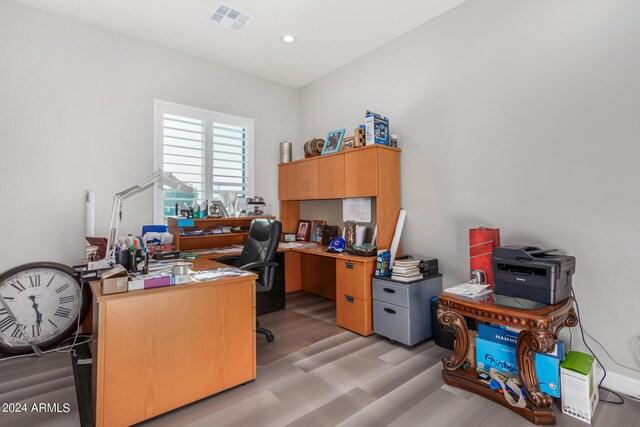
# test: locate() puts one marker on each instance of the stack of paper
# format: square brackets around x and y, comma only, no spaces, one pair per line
[406,270]
[469,290]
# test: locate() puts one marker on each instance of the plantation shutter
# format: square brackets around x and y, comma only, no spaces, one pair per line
[207,150]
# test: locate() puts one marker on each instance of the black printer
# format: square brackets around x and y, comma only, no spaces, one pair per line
[532,273]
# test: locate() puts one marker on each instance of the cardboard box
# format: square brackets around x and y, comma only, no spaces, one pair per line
[496,348]
[377,129]
[115,280]
[579,389]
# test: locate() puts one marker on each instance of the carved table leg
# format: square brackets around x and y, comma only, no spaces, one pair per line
[461,347]
[530,343]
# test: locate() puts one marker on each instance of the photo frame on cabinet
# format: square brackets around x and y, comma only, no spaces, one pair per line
[333,143]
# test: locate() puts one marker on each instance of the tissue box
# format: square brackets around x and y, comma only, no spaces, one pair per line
[578,384]
[377,129]
[496,348]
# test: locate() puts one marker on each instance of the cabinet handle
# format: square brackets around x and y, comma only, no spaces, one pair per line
[389,290]
[348,265]
[390,310]
[349,299]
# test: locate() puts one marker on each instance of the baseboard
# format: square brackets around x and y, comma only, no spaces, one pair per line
[620,383]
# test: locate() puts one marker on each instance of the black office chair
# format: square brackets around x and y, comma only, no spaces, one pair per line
[258,256]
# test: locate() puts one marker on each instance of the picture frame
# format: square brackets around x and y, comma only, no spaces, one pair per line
[348,142]
[333,143]
[289,237]
[304,230]
[316,230]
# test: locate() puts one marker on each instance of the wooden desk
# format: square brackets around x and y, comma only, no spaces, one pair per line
[540,329]
[155,350]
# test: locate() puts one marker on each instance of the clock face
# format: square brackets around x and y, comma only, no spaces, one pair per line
[38,304]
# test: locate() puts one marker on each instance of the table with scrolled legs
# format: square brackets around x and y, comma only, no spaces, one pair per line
[539,328]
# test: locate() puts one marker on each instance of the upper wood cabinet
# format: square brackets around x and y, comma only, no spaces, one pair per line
[331,177]
[358,172]
[298,181]
[361,173]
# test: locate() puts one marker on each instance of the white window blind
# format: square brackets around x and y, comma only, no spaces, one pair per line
[210,151]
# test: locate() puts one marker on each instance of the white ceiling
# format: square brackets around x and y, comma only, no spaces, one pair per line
[330,33]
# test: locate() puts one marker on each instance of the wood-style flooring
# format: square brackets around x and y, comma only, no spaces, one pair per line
[313,374]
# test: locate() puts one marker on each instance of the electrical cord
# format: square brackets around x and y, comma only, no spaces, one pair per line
[55,350]
[608,354]
[596,357]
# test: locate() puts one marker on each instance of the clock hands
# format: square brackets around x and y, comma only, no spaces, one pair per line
[35,348]
[35,307]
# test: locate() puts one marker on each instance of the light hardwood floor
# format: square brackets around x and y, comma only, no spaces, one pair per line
[313,374]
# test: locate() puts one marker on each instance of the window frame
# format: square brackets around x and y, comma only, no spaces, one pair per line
[209,117]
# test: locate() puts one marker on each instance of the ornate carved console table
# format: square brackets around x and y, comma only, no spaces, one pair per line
[539,328]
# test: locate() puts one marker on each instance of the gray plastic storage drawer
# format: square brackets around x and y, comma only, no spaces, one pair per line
[393,322]
[389,292]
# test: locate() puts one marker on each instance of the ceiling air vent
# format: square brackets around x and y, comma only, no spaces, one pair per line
[230,18]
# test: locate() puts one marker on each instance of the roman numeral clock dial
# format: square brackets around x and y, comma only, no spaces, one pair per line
[39,304]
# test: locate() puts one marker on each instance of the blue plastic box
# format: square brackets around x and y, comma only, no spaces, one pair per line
[496,348]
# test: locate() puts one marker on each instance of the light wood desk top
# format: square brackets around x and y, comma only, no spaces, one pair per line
[313,250]
[198,265]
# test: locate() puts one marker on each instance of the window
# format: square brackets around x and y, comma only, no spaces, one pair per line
[208,150]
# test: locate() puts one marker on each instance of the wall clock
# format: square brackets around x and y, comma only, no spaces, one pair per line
[39,304]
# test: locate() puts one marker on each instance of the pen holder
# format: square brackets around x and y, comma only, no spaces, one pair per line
[124,259]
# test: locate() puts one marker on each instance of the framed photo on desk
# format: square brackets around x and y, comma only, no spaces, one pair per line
[304,230]
[316,230]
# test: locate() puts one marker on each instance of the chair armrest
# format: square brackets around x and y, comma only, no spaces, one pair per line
[226,259]
[258,264]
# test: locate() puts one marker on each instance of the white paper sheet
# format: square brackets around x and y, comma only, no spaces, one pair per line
[357,209]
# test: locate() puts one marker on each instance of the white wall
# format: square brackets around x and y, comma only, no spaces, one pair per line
[76,113]
[523,115]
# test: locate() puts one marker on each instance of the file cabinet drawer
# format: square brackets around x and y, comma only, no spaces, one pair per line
[353,279]
[392,322]
[391,293]
[353,314]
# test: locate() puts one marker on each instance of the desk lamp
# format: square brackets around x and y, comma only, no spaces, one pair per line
[163,178]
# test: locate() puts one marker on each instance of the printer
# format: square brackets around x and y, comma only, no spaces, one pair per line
[532,273]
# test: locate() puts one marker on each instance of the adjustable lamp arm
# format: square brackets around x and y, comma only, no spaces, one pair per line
[165,177]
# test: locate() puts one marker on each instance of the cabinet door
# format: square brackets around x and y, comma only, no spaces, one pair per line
[360,173]
[331,177]
[286,182]
[298,181]
[306,180]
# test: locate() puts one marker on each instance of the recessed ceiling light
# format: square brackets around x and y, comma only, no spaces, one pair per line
[288,38]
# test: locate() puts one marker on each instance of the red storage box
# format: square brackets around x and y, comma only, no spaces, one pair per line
[482,240]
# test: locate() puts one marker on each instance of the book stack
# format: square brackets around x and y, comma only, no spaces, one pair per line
[406,270]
